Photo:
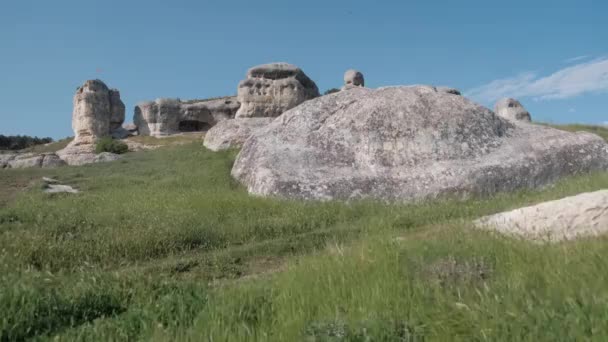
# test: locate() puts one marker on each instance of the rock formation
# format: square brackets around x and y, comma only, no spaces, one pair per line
[170,116]
[406,144]
[271,89]
[571,217]
[353,78]
[233,133]
[511,109]
[23,160]
[98,111]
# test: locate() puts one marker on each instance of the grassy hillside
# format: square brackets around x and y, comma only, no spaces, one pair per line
[164,245]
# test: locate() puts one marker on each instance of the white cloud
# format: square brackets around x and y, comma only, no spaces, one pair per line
[575,80]
[576,59]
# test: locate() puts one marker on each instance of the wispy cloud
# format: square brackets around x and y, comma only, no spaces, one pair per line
[576,59]
[575,80]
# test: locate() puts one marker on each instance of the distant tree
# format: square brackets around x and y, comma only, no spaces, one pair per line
[331,91]
[19,142]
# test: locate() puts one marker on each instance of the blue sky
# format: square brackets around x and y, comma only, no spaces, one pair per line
[552,55]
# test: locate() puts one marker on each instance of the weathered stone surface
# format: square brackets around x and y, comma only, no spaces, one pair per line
[233,133]
[131,127]
[24,160]
[5,158]
[59,188]
[565,219]
[51,160]
[511,109]
[406,144]
[353,78]
[84,154]
[171,116]
[271,89]
[97,112]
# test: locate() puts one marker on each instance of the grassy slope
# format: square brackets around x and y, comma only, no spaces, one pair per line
[165,245]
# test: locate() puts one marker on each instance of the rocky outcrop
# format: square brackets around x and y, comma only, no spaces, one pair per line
[85,154]
[353,78]
[233,133]
[98,111]
[565,219]
[171,116]
[271,89]
[511,109]
[406,144]
[24,160]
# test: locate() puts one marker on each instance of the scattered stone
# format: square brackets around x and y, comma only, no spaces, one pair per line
[406,144]
[511,109]
[48,180]
[59,188]
[353,78]
[85,154]
[271,89]
[564,219]
[164,117]
[233,133]
[24,160]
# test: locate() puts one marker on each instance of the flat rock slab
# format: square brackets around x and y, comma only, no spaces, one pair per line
[233,133]
[59,188]
[565,219]
[407,143]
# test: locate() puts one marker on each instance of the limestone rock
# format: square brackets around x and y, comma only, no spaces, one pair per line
[84,154]
[271,89]
[51,160]
[233,133]
[406,144]
[511,109]
[171,116]
[565,219]
[24,160]
[59,188]
[5,158]
[97,112]
[353,78]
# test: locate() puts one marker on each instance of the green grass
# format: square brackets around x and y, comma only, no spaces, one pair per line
[178,139]
[164,245]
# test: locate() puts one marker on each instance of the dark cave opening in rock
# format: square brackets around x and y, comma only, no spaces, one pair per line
[193,126]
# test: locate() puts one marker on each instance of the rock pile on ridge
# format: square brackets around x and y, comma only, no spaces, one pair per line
[353,78]
[271,89]
[511,109]
[171,116]
[405,144]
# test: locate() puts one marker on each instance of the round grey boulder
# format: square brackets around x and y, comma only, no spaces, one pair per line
[406,144]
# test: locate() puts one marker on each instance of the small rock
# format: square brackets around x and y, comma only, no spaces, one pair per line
[48,180]
[60,188]
[512,109]
[353,78]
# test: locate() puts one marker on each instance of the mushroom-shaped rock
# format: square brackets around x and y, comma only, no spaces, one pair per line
[512,109]
[353,78]
[405,144]
[271,89]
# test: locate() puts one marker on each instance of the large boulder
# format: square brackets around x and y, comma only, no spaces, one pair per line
[405,144]
[171,116]
[98,111]
[27,160]
[271,89]
[565,219]
[233,133]
[511,109]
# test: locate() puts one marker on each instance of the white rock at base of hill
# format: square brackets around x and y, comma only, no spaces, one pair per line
[564,219]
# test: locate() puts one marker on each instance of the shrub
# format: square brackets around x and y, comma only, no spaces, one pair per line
[108,144]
